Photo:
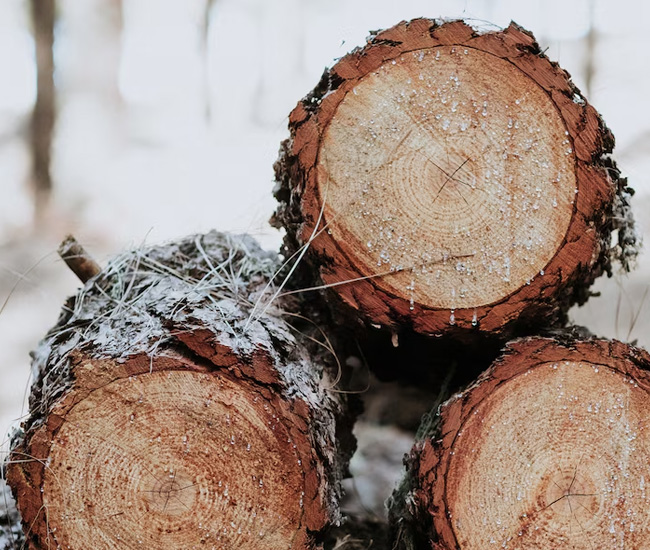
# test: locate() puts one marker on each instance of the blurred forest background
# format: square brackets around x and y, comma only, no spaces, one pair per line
[125,121]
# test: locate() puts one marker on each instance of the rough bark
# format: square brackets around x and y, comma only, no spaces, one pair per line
[169,412]
[548,449]
[452,182]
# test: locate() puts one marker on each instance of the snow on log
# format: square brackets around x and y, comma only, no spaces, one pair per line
[451,181]
[166,414]
[548,449]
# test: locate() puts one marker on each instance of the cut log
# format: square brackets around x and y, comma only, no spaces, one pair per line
[451,181]
[548,449]
[165,415]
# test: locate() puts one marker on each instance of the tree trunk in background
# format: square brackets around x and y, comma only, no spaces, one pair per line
[591,43]
[451,182]
[205,52]
[167,413]
[43,13]
[549,448]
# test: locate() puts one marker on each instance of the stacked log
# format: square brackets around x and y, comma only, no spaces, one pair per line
[451,186]
[164,415]
[448,181]
[547,449]
[454,184]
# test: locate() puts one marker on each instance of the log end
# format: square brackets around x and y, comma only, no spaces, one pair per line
[167,457]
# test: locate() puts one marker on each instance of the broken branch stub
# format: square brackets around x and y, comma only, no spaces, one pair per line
[77,259]
[450,180]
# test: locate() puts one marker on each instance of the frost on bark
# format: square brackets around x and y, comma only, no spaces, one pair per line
[452,181]
[548,449]
[166,413]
